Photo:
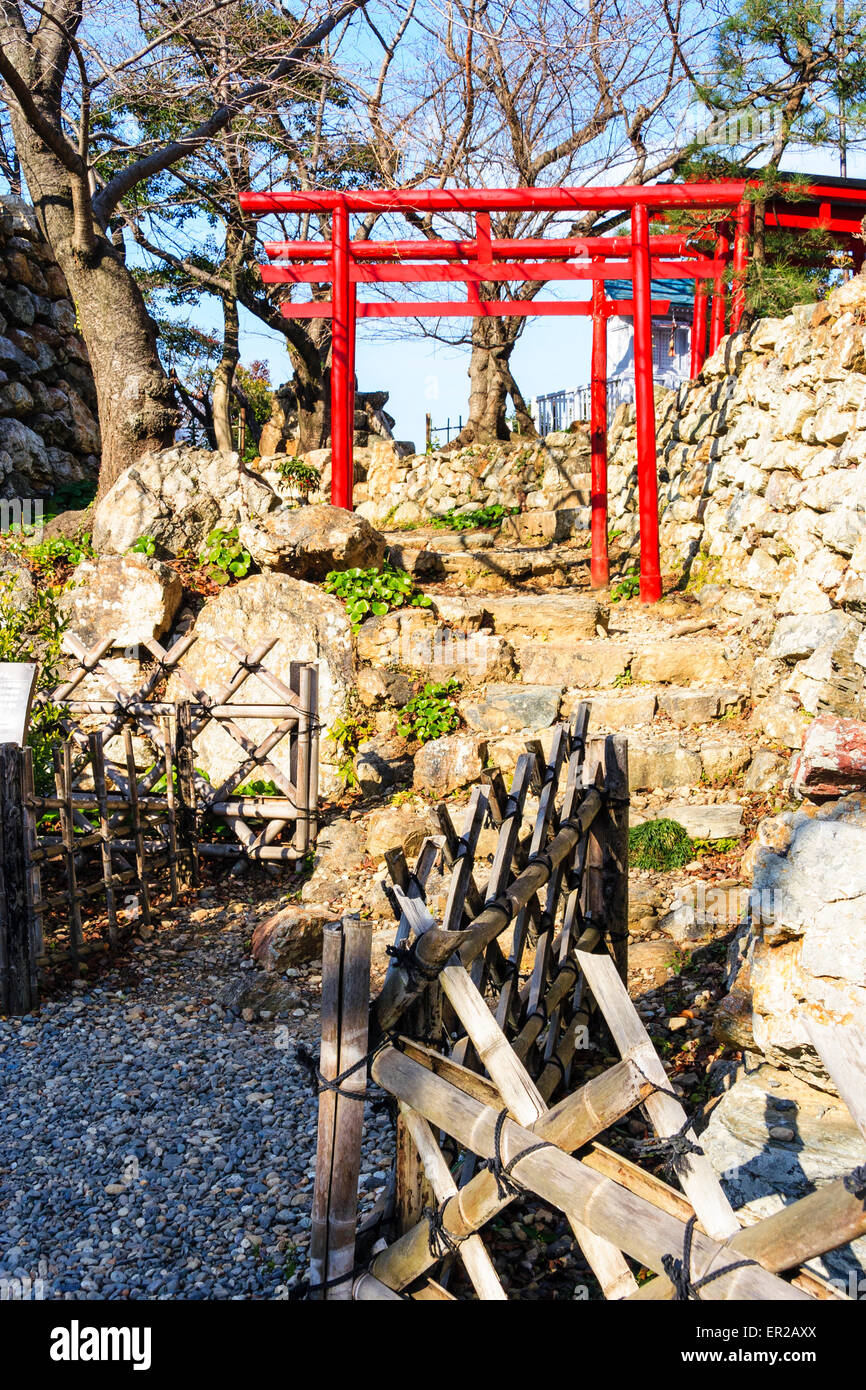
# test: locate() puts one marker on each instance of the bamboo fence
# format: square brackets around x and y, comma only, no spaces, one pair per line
[111,834]
[477,1037]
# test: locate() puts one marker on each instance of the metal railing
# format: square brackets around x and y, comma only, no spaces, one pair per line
[559,409]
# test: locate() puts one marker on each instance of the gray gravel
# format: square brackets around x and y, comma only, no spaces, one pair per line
[154,1146]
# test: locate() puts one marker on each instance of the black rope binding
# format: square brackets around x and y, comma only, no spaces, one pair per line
[855,1183]
[506,1183]
[675,1147]
[440,1241]
[680,1271]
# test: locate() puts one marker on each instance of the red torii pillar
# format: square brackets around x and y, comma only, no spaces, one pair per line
[717,315]
[699,329]
[599,569]
[342,354]
[647,483]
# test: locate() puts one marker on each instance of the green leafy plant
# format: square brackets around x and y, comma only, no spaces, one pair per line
[145,545]
[347,733]
[33,631]
[258,787]
[723,846]
[627,587]
[624,679]
[484,517]
[224,555]
[431,713]
[299,475]
[659,845]
[374,592]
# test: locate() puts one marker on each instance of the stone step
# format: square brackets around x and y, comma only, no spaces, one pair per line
[489,567]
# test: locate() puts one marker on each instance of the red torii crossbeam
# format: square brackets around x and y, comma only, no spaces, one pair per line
[639,257]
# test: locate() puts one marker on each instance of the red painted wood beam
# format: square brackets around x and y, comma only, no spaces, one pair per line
[478,273]
[723,194]
[460,308]
[673,245]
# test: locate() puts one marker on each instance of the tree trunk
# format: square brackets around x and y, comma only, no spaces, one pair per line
[135,400]
[312,385]
[491,383]
[224,376]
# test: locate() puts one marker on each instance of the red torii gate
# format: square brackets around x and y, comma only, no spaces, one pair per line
[638,257]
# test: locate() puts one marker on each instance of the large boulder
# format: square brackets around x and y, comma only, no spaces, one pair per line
[176,496]
[309,625]
[807,947]
[307,542]
[129,598]
[290,937]
[445,764]
[833,760]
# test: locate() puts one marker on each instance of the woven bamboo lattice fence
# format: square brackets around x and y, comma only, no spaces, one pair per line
[112,834]
[477,1038]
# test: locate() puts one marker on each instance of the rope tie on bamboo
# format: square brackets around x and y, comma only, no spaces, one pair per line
[674,1147]
[680,1271]
[855,1183]
[507,1185]
[321,1083]
[440,1241]
[405,955]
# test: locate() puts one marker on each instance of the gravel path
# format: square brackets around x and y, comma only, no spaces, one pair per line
[151,1144]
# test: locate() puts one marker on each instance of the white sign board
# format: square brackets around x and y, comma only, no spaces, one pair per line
[17,679]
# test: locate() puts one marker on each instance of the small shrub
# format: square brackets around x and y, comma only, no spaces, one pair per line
[145,545]
[347,733]
[724,846]
[431,713]
[659,845]
[627,587]
[302,476]
[33,632]
[224,555]
[374,592]
[483,518]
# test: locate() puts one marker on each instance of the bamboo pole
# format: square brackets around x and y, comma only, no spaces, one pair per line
[432,951]
[171,807]
[821,1221]
[473,1252]
[611,1211]
[63,782]
[570,1124]
[34,878]
[696,1174]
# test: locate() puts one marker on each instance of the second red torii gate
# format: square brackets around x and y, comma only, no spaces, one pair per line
[639,257]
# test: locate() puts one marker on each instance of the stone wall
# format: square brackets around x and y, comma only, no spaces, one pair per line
[49,437]
[762,483]
[549,474]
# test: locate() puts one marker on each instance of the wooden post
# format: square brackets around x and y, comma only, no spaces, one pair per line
[187,827]
[97,761]
[63,784]
[137,835]
[345,1012]
[428,433]
[171,813]
[34,877]
[18,984]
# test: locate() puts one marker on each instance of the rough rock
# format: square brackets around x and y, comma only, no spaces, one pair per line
[509,708]
[833,758]
[177,496]
[718,821]
[397,826]
[681,661]
[586,665]
[766,771]
[575,617]
[663,763]
[290,937]
[128,597]
[445,764]
[614,711]
[761,1173]
[309,541]
[309,625]
[382,764]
